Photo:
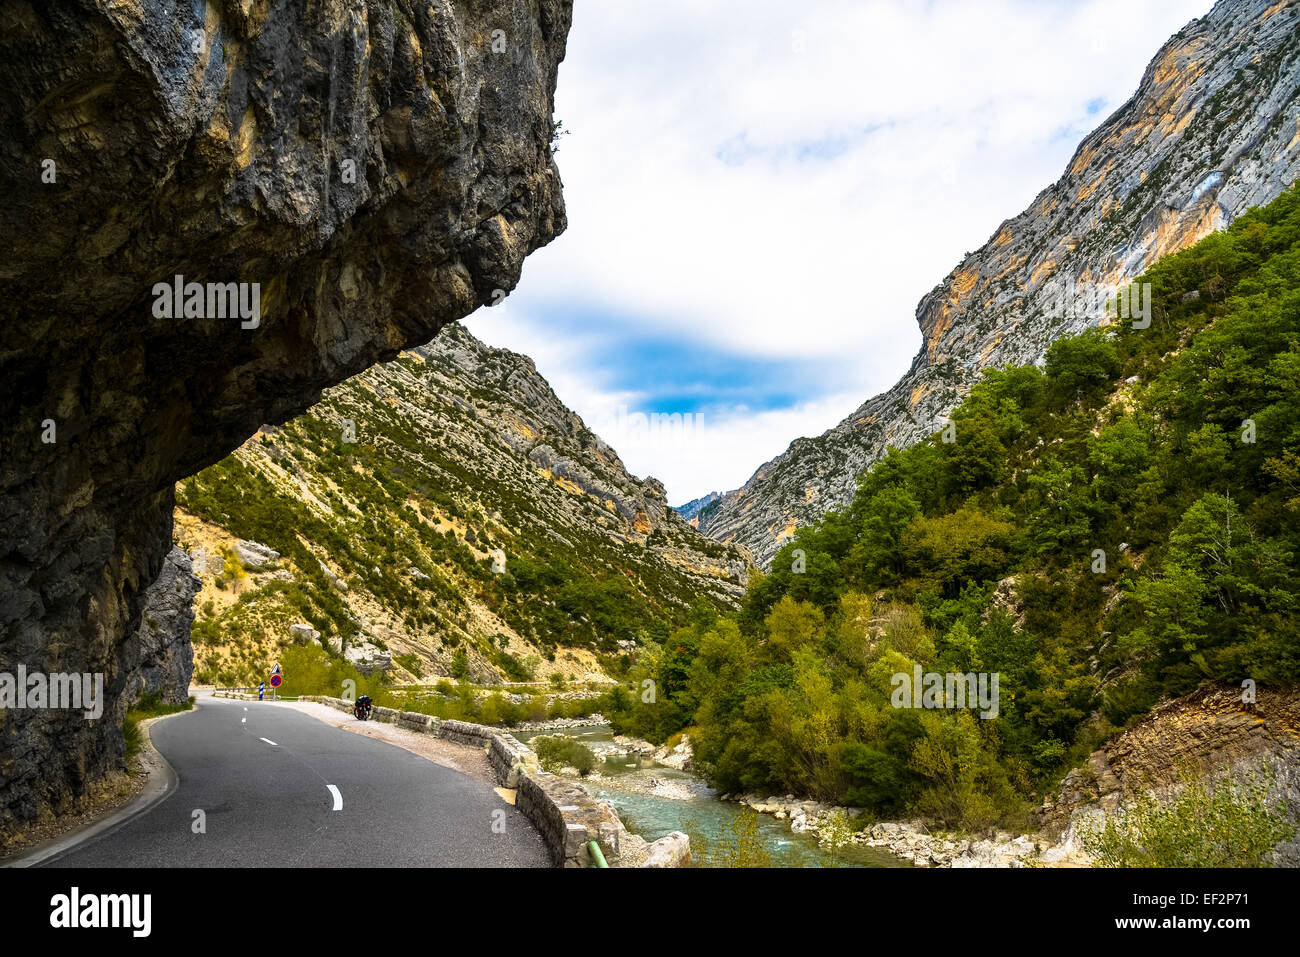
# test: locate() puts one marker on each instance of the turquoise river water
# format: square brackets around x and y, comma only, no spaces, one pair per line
[654,800]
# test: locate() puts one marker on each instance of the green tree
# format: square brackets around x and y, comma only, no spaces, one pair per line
[877,557]
[1080,366]
[790,626]
[951,550]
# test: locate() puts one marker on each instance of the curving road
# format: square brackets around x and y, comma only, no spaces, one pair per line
[270,782]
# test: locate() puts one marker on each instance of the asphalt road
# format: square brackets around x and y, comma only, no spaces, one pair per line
[262,775]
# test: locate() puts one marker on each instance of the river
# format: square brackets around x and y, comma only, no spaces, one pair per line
[654,800]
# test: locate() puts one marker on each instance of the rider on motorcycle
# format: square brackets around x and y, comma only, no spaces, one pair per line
[362,708]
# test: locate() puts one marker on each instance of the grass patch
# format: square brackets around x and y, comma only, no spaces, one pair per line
[148,705]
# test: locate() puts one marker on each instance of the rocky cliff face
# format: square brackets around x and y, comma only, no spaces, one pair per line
[516,416]
[165,659]
[1213,129]
[364,172]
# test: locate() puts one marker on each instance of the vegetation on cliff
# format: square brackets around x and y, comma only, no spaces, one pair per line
[445,508]
[1221,824]
[1108,530]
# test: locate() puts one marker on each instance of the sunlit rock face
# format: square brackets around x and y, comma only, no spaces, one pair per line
[1213,130]
[361,172]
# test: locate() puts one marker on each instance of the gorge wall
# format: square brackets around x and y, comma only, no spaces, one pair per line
[1213,130]
[378,168]
[164,657]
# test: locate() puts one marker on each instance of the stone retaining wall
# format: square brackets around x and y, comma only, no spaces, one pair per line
[568,817]
[463,732]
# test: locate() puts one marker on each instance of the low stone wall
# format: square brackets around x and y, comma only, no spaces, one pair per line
[508,757]
[412,721]
[252,696]
[463,732]
[511,760]
[563,812]
[568,817]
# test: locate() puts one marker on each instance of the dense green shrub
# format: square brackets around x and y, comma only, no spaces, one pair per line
[1228,823]
[560,750]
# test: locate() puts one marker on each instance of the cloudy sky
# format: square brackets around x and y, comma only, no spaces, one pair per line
[760,191]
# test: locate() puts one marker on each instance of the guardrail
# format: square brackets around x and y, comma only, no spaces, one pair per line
[252,695]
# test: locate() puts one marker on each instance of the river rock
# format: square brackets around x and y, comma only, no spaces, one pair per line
[673,850]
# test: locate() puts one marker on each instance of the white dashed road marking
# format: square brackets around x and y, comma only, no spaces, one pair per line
[270,742]
[338,796]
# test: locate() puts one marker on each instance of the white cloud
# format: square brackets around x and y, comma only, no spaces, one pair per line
[728,191]
[717,451]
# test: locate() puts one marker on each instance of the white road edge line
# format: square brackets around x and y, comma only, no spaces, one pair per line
[338,796]
[270,742]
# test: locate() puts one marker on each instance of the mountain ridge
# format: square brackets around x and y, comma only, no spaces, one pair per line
[1212,130]
[695,505]
[515,543]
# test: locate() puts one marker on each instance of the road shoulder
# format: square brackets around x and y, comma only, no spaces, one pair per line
[119,799]
[465,759]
